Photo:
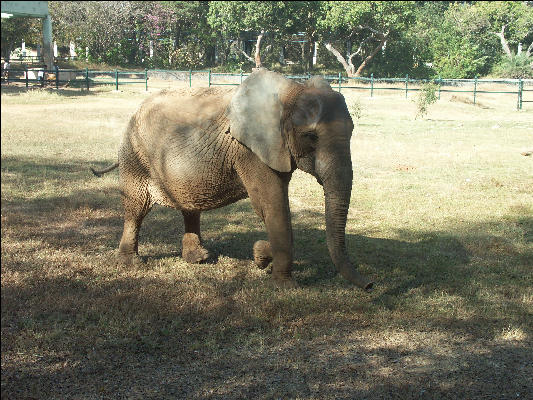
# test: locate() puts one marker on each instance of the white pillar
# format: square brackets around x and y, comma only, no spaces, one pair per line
[72,49]
[86,53]
[47,42]
[55,49]
[151,48]
[315,53]
[23,48]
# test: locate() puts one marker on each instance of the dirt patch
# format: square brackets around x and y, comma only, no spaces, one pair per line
[467,100]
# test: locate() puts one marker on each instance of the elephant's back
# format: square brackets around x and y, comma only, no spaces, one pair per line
[184,134]
[185,104]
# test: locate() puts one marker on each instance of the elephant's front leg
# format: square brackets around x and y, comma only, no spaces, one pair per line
[269,197]
[192,250]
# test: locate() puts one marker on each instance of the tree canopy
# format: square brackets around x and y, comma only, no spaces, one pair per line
[421,38]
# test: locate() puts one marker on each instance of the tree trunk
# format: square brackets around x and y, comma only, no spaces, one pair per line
[340,58]
[246,55]
[257,58]
[367,60]
[505,46]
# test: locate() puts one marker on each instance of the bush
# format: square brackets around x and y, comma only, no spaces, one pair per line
[516,67]
[356,109]
[425,97]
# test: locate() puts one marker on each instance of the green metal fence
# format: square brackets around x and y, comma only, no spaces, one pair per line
[442,85]
[85,79]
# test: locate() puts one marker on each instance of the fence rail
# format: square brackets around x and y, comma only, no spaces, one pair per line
[27,59]
[86,79]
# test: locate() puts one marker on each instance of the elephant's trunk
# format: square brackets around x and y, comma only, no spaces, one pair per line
[337,182]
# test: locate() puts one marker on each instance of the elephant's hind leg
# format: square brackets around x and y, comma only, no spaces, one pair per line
[192,250]
[136,206]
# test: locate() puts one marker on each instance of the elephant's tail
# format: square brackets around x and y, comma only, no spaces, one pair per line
[101,172]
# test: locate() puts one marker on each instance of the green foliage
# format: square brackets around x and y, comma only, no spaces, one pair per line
[368,23]
[423,39]
[516,66]
[517,16]
[232,17]
[402,56]
[462,45]
[424,98]
[356,109]
[17,29]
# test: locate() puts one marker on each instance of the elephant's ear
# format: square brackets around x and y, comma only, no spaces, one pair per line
[318,82]
[255,115]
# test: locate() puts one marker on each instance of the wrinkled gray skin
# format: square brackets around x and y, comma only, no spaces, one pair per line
[203,149]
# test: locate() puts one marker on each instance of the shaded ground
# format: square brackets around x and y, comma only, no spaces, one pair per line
[440,217]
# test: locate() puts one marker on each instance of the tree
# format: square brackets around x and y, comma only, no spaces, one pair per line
[262,17]
[193,39]
[99,25]
[511,22]
[17,29]
[303,17]
[374,24]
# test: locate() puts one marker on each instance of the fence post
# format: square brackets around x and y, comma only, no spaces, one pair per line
[146,78]
[26,68]
[372,84]
[57,77]
[209,78]
[87,77]
[520,90]
[116,80]
[190,77]
[241,76]
[440,83]
[406,83]
[340,82]
[475,89]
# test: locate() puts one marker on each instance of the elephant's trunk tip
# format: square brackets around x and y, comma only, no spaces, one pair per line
[366,284]
[369,286]
[356,278]
[95,172]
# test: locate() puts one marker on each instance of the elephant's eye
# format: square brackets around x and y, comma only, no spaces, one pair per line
[310,135]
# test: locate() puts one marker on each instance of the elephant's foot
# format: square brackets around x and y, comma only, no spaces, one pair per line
[192,251]
[262,253]
[128,260]
[285,283]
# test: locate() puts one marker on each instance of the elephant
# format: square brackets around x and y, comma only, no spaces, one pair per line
[201,149]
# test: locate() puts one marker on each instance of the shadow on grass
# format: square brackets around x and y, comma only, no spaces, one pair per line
[228,334]
[121,336]
[50,88]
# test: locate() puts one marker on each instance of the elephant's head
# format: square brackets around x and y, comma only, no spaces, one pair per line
[288,126]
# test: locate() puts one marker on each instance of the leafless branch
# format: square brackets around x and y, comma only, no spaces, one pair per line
[528,52]
[361,45]
[247,56]
[339,57]
[505,45]
[258,63]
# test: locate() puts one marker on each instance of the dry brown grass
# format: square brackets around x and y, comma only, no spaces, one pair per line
[440,217]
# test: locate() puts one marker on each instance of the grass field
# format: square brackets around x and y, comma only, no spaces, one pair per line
[441,218]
